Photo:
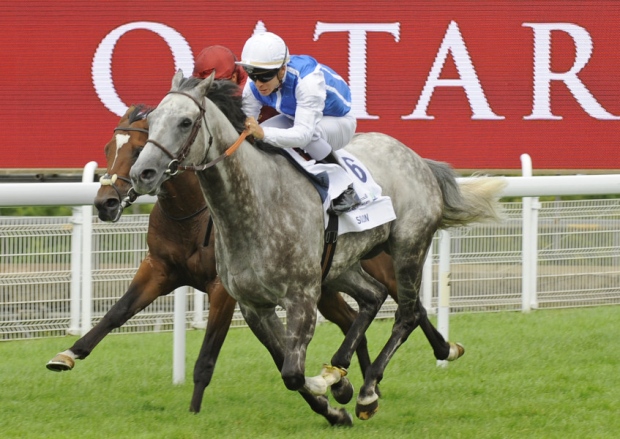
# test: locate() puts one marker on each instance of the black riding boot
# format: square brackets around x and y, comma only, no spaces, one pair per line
[348,200]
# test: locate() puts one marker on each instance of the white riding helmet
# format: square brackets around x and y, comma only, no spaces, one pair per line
[264,51]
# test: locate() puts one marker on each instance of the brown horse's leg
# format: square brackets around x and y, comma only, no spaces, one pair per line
[441,348]
[150,282]
[381,268]
[221,309]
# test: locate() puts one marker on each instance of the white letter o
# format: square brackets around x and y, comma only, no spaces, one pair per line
[102,61]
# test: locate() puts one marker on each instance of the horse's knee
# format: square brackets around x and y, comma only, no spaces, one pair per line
[294,381]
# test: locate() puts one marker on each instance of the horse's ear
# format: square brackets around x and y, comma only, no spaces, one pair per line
[176,79]
[206,83]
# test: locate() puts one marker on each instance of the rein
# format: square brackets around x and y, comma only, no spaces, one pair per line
[174,166]
[218,159]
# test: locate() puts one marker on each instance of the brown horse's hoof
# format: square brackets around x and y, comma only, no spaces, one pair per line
[342,391]
[456,351]
[365,412]
[60,363]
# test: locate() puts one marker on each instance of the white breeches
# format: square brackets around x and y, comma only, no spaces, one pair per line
[331,133]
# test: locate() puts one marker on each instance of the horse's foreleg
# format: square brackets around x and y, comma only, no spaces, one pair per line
[221,309]
[320,405]
[268,328]
[335,309]
[300,326]
[149,283]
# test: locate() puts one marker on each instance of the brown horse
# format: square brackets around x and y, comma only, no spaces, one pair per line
[181,252]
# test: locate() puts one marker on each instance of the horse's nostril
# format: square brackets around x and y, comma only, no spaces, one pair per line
[147,174]
[111,203]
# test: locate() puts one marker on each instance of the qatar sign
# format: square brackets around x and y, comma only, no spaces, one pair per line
[473,86]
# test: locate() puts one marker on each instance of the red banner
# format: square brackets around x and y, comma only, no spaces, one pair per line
[475,84]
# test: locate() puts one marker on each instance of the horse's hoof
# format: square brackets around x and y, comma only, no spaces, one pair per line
[344,419]
[366,411]
[60,363]
[456,351]
[342,391]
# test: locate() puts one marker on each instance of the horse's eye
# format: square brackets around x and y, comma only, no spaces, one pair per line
[186,123]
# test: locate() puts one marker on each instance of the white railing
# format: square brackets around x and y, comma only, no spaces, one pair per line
[34,300]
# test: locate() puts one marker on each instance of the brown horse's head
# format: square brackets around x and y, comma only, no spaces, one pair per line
[121,152]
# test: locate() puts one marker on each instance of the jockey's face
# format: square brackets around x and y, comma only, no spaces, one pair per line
[267,87]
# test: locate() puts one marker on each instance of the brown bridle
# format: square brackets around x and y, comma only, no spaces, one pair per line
[109,180]
[174,166]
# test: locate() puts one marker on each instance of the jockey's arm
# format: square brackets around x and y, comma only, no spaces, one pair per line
[310,96]
[250,105]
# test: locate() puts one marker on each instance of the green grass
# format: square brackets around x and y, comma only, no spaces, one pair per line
[547,374]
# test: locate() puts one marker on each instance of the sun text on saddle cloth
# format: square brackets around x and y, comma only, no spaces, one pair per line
[375,208]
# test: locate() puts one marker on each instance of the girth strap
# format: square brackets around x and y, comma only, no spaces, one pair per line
[208,232]
[329,246]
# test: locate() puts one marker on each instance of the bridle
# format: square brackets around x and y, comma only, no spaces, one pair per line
[174,166]
[109,180]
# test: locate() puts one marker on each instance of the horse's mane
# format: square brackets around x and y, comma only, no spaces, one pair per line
[226,95]
[139,112]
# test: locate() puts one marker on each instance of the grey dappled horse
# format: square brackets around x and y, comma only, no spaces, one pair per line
[270,232]
[181,252]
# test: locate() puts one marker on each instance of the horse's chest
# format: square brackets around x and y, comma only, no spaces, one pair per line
[264,282]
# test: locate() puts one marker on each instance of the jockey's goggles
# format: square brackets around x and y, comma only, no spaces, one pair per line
[262,75]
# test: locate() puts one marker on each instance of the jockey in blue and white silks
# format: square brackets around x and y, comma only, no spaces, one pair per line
[314,101]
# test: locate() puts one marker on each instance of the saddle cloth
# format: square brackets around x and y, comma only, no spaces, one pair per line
[375,209]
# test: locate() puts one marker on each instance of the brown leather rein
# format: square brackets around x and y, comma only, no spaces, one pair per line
[174,166]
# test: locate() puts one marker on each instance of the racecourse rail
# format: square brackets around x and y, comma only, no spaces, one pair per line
[81,196]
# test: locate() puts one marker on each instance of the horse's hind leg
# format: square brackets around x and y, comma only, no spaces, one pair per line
[369,295]
[381,268]
[443,350]
[408,264]
[221,310]
[367,400]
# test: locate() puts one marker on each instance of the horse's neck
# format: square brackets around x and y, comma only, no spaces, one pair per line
[181,196]
[233,180]
[246,190]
